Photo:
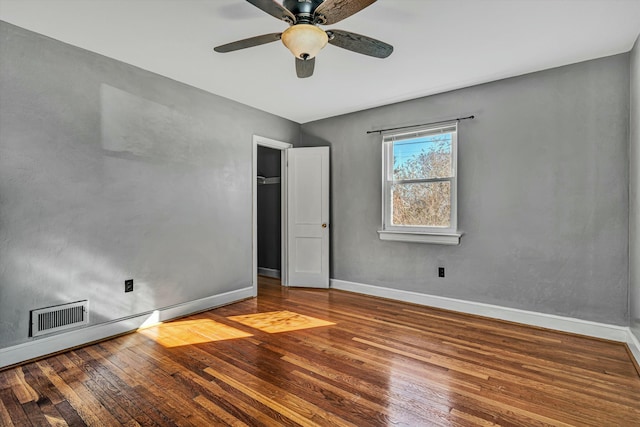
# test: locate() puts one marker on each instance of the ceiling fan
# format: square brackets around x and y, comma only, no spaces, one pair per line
[304,38]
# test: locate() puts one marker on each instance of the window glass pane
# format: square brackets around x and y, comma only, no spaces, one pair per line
[425,204]
[423,158]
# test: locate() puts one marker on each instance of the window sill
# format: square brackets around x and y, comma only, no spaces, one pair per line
[408,236]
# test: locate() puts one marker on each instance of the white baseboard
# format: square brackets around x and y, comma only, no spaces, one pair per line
[59,342]
[269,272]
[549,321]
[634,345]
[39,347]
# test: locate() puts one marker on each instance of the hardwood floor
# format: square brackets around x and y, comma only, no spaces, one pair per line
[315,357]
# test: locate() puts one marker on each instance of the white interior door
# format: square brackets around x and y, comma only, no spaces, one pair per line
[308,217]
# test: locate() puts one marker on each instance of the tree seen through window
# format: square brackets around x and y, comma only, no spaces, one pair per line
[421,192]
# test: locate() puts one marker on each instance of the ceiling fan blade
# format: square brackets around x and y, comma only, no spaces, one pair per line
[250,42]
[359,43]
[304,68]
[336,10]
[274,9]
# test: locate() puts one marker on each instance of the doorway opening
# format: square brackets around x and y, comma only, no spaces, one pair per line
[269,210]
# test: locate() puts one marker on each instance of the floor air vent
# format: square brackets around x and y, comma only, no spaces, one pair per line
[59,317]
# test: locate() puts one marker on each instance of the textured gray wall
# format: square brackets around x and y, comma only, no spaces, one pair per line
[543,199]
[634,191]
[109,172]
[269,206]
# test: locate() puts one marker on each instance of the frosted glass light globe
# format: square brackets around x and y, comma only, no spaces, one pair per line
[304,40]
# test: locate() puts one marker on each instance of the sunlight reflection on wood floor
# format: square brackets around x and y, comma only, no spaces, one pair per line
[279,321]
[189,332]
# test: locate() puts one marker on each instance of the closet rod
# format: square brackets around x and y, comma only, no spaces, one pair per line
[423,124]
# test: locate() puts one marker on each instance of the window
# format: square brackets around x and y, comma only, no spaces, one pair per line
[419,185]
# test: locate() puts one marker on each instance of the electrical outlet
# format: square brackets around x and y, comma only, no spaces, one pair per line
[440,271]
[128,285]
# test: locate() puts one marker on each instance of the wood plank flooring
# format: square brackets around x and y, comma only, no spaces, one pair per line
[332,358]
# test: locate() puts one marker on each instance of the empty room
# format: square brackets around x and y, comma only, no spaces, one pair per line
[320,213]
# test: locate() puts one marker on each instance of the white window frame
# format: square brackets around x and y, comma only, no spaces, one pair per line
[438,235]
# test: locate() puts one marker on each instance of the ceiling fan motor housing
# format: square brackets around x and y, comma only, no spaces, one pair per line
[302,9]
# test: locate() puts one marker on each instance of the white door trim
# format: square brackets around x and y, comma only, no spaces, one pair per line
[278,145]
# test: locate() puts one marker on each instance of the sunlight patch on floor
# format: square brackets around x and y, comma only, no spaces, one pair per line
[279,321]
[189,332]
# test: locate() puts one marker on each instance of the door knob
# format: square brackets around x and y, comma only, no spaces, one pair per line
[324,225]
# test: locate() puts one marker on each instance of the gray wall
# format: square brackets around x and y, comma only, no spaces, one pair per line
[543,199]
[269,206]
[109,172]
[634,192]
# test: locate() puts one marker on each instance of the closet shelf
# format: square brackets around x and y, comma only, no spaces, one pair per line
[262,180]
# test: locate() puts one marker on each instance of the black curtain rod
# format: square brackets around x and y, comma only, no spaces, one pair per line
[424,124]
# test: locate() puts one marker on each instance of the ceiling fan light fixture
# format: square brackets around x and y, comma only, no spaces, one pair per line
[304,40]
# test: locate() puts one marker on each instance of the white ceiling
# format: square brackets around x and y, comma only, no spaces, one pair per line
[439,45]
